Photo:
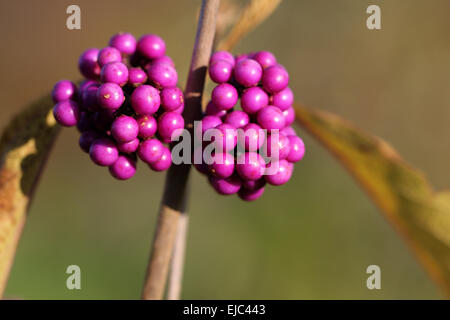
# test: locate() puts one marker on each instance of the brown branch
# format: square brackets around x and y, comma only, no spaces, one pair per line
[24,149]
[175,197]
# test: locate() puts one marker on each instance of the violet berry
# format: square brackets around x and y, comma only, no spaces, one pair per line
[222,55]
[171,98]
[250,166]
[226,186]
[103,152]
[147,126]
[67,113]
[89,97]
[270,118]
[278,172]
[289,116]
[265,59]
[162,75]
[169,125]
[237,119]
[250,195]
[124,129]
[115,72]
[150,150]
[123,168]
[222,165]
[110,96]
[220,71]
[145,100]
[124,42]
[248,72]
[128,147]
[277,150]
[212,110]
[136,77]
[252,137]
[275,79]
[297,150]
[64,90]
[224,96]
[107,55]
[86,139]
[151,46]
[226,137]
[87,63]
[283,99]
[164,162]
[254,99]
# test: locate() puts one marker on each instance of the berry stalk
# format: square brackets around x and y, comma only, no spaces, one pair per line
[174,199]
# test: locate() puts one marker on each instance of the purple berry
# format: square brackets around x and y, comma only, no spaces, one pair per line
[271,118]
[283,99]
[124,129]
[220,71]
[278,172]
[275,79]
[170,123]
[136,77]
[222,165]
[237,119]
[224,96]
[103,152]
[66,113]
[87,63]
[254,99]
[171,98]
[164,162]
[89,97]
[209,122]
[289,131]
[265,59]
[147,126]
[110,96]
[297,150]
[64,90]
[124,42]
[151,46]
[150,150]
[222,55]
[250,166]
[108,55]
[277,150]
[253,184]
[86,84]
[145,100]
[212,110]
[250,195]
[289,116]
[164,59]
[115,72]
[124,168]
[241,57]
[251,137]
[248,72]
[86,140]
[162,75]
[128,147]
[227,138]
[226,186]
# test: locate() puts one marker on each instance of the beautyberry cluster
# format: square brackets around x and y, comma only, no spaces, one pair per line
[247,157]
[127,108]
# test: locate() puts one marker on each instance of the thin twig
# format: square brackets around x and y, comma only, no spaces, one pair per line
[174,198]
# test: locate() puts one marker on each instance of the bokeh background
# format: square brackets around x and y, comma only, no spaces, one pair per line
[312,238]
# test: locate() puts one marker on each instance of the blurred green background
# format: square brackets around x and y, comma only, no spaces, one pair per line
[312,238]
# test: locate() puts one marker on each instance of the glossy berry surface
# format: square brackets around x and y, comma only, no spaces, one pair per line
[222,55]
[270,118]
[147,126]
[220,71]
[265,59]
[297,149]
[222,165]
[169,125]
[162,75]
[237,119]
[172,98]
[87,64]
[103,152]
[145,100]
[110,96]
[250,166]
[224,96]
[226,137]
[275,79]
[66,113]
[283,99]
[150,150]
[164,162]
[248,72]
[282,173]
[136,77]
[123,168]
[226,186]
[107,55]
[124,42]
[252,137]
[64,90]
[278,146]
[253,100]
[151,46]
[124,129]
[114,72]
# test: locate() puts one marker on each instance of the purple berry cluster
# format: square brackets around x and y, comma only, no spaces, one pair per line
[128,107]
[266,101]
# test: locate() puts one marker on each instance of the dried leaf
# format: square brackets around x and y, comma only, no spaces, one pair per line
[255,12]
[24,147]
[417,212]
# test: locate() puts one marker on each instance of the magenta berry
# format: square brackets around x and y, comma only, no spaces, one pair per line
[253,184]
[64,90]
[87,63]
[103,152]
[124,42]
[226,137]
[220,71]
[253,100]
[66,113]
[124,129]
[277,146]
[224,96]
[210,122]
[282,172]
[162,75]
[289,116]
[270,118]
[86,140]
[222,165]
[226,186]
[115,72]
[151,46]
[136,76]
[283,99]
[124,168]
[128,147]
[265,59]
[164,162]
[169,125]
[250,195]
[150,150]
[164,59]
[110,96]
[145,100]
[108,55]
[237,119]
[248,72]
[297,150]
[289,131]
[171,98]
[250,166]
[147,126]
[89,98]
[252,137]
[222,55]
[275,79]
[212,110]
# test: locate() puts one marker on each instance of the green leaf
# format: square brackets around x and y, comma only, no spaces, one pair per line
[417,212]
